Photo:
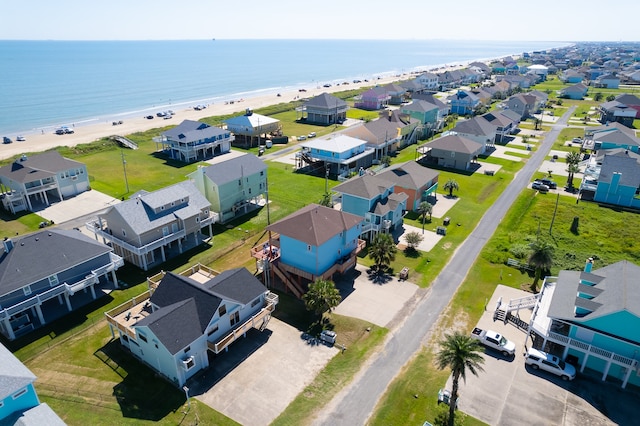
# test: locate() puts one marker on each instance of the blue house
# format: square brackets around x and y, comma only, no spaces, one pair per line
[593,318]
[313,243]
[464,103]
[342,154]
[373,198]
[619,179]
[576,91]
[426,112]
[48,273]
[174,325]
[19,403]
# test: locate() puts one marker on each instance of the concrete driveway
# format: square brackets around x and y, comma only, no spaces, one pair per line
[376,302]
[80,205]
[508,393]
[261,374]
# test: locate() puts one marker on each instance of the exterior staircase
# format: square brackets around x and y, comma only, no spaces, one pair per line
[288,282]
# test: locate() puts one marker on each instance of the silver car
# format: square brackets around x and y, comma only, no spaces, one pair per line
[551,363]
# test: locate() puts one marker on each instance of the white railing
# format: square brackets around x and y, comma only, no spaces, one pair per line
[591,349]
[521,303]
[94,227]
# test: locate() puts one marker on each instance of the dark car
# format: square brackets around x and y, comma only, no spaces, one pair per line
[149,117]
[6,140]
[551,184]
[327,85]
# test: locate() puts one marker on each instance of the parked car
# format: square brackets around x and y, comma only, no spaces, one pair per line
[161,114]
[311,135]
[540,187]
[494,340]
[67,130]
[551,184]
[551,363]
[328,336]
[149,117]
[302,138]
[20,138]
[327,85]
[6,140]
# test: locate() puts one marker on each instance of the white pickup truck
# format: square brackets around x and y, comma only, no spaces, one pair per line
[494,340]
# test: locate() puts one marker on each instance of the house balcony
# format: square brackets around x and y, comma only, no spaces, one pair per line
[63,289]
[40,188]
[104,232]
[197,272]
[258,321]
[268,250]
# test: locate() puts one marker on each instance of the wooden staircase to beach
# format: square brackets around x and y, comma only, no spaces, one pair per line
[125,142]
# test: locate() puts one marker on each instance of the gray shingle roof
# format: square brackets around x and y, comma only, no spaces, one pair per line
[238,285]
[409,175]
[234,169]
[419,105]
[40,415]
[367,186]
[42,254]
[315,224]
[138,211]
[623,162]
[618,291]
[30,168]
[191,131]
[13,374]
[478,126]
[455,143]
[325,100]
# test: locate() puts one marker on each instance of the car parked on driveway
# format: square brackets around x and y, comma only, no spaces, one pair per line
[540,187]
[551,184]
[551,363]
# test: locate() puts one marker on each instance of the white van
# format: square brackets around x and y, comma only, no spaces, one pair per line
[551,363]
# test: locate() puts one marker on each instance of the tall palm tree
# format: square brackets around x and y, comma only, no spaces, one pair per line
[382,251]
[425,208]
[322,296]
[572,160]
[450,185]
[541,258]
[460,353]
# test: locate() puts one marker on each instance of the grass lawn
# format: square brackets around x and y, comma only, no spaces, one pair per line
[602,235]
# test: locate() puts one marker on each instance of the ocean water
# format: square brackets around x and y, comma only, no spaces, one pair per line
[44,84]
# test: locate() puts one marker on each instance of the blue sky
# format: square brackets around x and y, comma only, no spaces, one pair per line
[538,20]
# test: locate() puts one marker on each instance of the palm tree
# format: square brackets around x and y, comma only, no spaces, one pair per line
[321,297]
[572,160]
[326,200]
[382,251]
[460,353]
[425,208]
[541,258]
[450,185]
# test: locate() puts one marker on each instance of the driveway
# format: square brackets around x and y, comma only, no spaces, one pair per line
[508,393]
[261,374]
[375,301]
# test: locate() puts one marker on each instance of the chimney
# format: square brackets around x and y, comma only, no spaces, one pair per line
[588,265]
[8,244]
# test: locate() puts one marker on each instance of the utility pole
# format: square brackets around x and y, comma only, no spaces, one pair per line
[124,167]
[554,213]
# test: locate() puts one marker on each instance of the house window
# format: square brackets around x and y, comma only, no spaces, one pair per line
[234,318]
[142,337]
[189,363]
[26,290]
[249,190]
[197,219]
[124,234]
[239,182]
[222,310]
[213,330]
[262,173]
[187,349]
[255,302]
[19,393]
[308,248]
[53,280]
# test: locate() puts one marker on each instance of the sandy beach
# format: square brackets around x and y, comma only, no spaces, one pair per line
[47,139]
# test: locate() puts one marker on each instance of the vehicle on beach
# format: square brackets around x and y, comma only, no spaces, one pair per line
[161,114]
[167,117]
[64,130]
[357,81]
[201,107]
[20,138]
[149,117]
[302,90]
[117,123]
[327,85]
[6,140]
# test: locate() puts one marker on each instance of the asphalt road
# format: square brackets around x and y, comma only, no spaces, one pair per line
[356,402]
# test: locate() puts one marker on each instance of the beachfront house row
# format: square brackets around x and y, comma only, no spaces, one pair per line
[373,198]
[386,135]
[19,402]
[452,151]
[338,153]
[48,274]
[195,141]
[35,181]
[615,179]
[252,129]
[150,227]
[312,243]
[373,99]
[234,186]
[419,183]
[173,326]
[324,109]
[592,318]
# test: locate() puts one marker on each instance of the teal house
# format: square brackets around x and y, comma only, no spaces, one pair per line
[373,198]
[422,110]
[592,318]
[618,182]
[19,403]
